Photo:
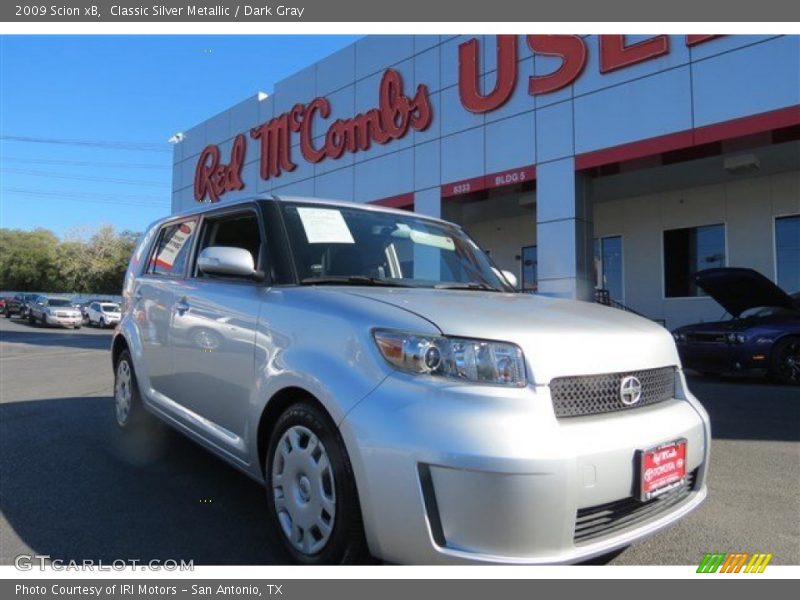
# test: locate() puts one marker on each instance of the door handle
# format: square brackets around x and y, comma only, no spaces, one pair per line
[182,306]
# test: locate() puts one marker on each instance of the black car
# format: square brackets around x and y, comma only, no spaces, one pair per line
[16,305]
[763,334]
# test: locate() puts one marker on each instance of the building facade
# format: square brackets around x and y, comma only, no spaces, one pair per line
[581,163]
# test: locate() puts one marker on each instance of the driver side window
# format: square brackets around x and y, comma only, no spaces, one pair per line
[237,230]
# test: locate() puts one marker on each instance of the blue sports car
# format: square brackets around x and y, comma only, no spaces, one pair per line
[763,334]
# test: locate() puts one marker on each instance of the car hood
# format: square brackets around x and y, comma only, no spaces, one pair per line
[737,289]
[559,337]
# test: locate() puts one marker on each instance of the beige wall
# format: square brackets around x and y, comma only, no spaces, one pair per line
[747,207]
[505,239]
[502,224]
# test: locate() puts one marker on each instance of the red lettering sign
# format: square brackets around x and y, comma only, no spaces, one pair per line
[571,49]
[397,113]
[693,40]
[212,178]
[469,75]
[395,116]
[491,181]
[614,54]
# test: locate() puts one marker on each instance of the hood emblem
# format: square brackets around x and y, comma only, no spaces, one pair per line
[630,390]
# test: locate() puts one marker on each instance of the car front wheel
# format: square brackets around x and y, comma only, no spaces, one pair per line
[311,492]
[785,362]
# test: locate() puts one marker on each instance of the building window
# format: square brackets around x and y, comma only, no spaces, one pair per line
[687,251]
[530,271]
[608,266]
[787,253]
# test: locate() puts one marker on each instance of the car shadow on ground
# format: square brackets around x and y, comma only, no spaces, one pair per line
[74,489]
[40,335]
[746,408]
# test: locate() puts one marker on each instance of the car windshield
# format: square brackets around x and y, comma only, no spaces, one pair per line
[110,307]
[352,246]
[58,302]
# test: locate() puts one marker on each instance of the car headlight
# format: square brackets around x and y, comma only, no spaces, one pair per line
[736,338]
[479,361]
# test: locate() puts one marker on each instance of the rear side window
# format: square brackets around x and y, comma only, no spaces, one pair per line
[172,249]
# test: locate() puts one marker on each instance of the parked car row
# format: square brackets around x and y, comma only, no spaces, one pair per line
[53,310]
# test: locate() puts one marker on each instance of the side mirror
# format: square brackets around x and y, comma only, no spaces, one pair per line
[226,261]
[510,278]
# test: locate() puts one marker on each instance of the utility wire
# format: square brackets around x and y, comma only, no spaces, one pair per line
[113,200]
[86,163]
[106,144]
[47,174]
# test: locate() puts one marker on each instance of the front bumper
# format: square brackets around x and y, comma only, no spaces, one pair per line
[722,358]
[63,321]
[454,473]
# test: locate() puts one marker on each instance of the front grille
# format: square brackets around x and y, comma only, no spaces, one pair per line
[706,338]
[613,517]
[594,394]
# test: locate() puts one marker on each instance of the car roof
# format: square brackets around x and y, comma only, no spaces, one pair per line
[305,200]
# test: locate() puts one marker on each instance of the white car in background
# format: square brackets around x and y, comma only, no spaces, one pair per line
[54,311]
[103,314]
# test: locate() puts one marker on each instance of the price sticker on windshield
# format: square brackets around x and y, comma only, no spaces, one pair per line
[325,226]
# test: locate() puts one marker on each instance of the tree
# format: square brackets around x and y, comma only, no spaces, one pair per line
[38,261]
[27,259]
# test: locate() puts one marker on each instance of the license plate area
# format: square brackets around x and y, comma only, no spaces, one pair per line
[661,469]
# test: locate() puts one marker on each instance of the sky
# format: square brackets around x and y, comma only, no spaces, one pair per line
[121,98]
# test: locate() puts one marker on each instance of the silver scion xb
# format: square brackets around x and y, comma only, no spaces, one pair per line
[396,397]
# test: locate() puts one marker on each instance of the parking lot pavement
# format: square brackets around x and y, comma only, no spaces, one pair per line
[72,490]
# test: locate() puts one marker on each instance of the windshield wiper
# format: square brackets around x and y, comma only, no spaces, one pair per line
[353,280]
[472,285]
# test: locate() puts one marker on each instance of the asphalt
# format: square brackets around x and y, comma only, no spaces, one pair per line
[71,489]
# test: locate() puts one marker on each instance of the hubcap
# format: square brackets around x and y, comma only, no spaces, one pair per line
[122,392]
[303,490]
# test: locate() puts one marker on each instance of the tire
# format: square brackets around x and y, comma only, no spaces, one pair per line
[102,323]
[7,314]
[43,320]
[31,320]
[316,491]
[129,411]
[77,326]
[784,364]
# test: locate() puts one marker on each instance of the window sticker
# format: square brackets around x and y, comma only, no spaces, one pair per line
[429,239]
[172,246]
[325,226]
[424,238]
